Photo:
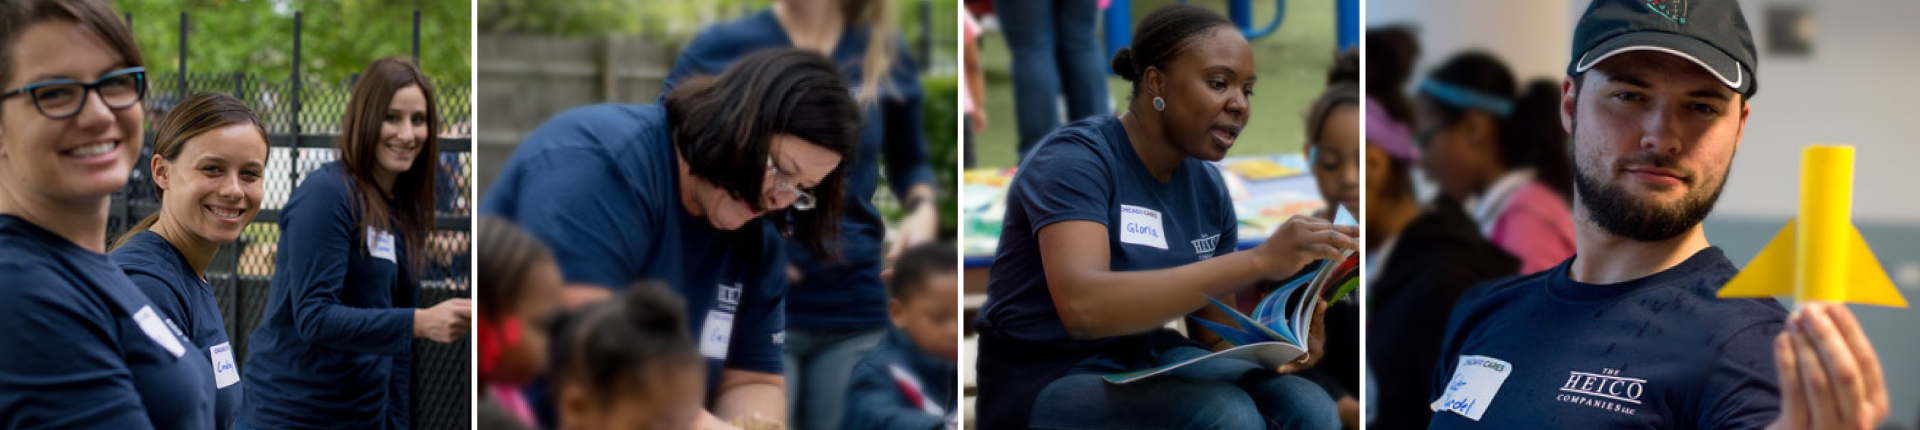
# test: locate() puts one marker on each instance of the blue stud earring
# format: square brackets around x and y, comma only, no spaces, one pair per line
[1159,105]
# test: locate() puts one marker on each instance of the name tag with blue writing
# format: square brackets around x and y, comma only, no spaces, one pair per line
[1141,226]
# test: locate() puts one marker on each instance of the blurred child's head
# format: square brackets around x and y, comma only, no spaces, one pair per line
[925,298]
[521,287]
[628,363]
[1333,136]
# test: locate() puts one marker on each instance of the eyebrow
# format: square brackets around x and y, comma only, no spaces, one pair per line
[1713,92]
[217,158]
[43,77]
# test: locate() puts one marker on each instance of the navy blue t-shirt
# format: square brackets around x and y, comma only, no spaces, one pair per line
[164,274]
[334,347]
[1088,171]
[847,294]
[600,186]
[84,349]
[1544,351]
[899,386]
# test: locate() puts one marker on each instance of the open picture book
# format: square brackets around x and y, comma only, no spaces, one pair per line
[1277,331]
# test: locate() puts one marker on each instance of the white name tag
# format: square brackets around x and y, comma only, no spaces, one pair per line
[1475,381]
[380,244]
[156,328]
[224,372]
[1141,226]
[714,335]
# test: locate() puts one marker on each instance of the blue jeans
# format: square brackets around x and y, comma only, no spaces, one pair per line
[1217,394]
[1055,52]
[818,365]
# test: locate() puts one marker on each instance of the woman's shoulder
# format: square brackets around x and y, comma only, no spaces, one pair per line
[144,251]
[1093,137]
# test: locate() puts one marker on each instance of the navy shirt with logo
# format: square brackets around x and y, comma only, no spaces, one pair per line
[164,274]
[1087,171]
[1659,352]
[336,338]
[846,294]
[83,348]
[600,186]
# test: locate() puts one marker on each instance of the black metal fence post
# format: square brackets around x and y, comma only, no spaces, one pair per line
[416,36]
[293,151]
[180,90]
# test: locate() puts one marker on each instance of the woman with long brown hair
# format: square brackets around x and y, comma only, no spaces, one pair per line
[83,348]
[337,335]
[209,162]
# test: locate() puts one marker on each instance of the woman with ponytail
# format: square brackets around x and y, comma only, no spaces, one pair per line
[209,162]
[1501,155]
[1117,226]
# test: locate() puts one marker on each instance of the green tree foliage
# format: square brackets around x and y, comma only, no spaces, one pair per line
[338,37]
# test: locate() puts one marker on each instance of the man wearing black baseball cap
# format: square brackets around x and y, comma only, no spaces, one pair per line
[1628,333]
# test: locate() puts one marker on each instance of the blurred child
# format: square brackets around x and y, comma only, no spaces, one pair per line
[522,287]
[628,364]
[908,380]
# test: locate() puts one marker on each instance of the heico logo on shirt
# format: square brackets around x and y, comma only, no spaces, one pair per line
[1141,226]
[716,333]
[1606,390]
[1205,246]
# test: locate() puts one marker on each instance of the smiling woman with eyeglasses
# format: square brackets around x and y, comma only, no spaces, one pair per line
[84,348]
[672,191]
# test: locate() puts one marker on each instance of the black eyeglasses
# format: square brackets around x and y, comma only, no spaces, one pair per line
[63,98]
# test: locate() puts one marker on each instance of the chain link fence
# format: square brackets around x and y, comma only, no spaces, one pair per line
[302,119]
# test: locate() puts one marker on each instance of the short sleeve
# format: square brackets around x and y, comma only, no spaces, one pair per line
[1064,180]
[1741,389]
[61,367]
[759,338]
[167,300]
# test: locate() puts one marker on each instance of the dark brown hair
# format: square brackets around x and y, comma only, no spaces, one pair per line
[94,15]
[195,115]
[919,264]
[1531,135]
[1343,89]
[1162,37]
[505,253]
[723,127]
[359,141]
[613,347]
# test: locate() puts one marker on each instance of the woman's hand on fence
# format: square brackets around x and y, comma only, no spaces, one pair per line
[444,322]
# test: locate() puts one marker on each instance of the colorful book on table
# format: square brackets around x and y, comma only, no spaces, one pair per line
[1277,331]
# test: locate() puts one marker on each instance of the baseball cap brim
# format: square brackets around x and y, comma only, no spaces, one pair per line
[1723,67]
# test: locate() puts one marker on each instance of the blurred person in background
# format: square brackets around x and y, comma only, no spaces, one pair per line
[1494,151]
[628,362]
[837,308]
[1056,56]
[522,290]
[909,380]
[1333,157]
[1420,258]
